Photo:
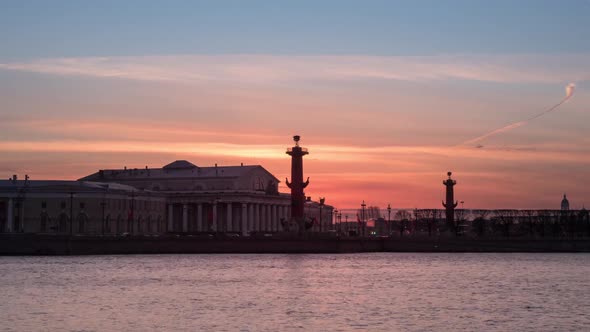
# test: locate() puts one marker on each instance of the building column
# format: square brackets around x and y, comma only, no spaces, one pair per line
[262,217]
[281,215]
[21,223]
[229,217]
[250,217]
[214,217]
[200,227]
[268,217]
[170,217]
[256,217]
[244,221]
[185,218]
[273,218]
[9,216]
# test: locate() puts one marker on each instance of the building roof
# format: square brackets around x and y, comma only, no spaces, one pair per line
[62,185]
[176,169]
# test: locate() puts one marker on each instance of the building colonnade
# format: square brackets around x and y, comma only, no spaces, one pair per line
[226,216]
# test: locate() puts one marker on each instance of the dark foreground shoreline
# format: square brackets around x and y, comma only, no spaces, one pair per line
[31,244]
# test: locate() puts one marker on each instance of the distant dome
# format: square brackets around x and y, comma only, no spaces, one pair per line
[565,204]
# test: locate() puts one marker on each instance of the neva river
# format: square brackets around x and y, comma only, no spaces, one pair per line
[376,292]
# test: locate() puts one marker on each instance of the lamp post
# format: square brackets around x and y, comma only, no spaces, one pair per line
[332,226]
[71,213]
[388,219]
[363,205]
[340,220]
[346,218]
[132,213]
[335,212]
[103,205]
[415,220]
[322,202]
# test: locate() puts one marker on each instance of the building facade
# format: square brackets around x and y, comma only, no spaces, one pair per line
[79,207]
[177,198]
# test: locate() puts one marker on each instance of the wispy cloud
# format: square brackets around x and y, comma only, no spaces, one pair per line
[270,68]
[324,153]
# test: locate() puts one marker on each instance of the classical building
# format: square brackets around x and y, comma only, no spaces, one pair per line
[219,198]
[178,198]
[79,207]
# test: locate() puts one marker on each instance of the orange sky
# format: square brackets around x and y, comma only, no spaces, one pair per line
[379,129]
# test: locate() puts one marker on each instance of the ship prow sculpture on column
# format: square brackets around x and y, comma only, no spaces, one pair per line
[297,222]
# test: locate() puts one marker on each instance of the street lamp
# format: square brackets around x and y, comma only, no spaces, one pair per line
[346,218]
[71,213]
[103,205]
[131,217]
[363,205]
[388,219]
[335,212]
[322,201]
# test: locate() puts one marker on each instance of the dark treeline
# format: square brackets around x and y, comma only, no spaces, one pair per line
[491,223]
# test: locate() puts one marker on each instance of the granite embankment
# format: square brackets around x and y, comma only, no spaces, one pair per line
[30,244]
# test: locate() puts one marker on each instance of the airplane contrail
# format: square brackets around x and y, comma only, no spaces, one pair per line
[569,92]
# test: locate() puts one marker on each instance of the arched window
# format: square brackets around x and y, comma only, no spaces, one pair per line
[63,221]
[120,225]
[107,224]
[129,225]
[139,225]
[43,222]
[82,220]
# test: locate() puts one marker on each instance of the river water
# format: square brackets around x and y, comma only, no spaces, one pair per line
[376,292]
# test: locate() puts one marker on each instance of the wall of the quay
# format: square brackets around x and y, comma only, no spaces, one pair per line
[30,244]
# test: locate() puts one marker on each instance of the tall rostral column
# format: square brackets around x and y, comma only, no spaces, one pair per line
[450,205]
[297,185]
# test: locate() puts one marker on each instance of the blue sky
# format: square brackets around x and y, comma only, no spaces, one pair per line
[32,29]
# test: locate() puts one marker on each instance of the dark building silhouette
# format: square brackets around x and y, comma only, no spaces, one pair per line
[450,204]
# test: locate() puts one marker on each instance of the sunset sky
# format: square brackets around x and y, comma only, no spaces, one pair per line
[383,93]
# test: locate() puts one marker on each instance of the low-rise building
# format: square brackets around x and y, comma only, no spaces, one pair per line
[179,197]
[79,207]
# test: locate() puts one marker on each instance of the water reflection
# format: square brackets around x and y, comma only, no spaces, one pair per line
[388,291]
